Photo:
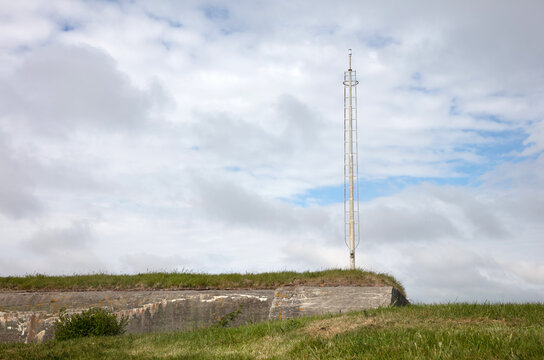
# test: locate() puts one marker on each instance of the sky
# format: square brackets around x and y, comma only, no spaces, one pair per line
[207,136]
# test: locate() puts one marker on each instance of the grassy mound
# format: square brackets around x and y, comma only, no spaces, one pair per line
[182,280]
[452,331]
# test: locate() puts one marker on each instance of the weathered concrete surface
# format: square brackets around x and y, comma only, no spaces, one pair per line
[295,301]
[30,316]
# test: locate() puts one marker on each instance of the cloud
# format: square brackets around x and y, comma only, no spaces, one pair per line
[154,133]
[531,272]
[62,88]
[456,243]
[534,142]
[25,173]
[231,204]
[16,197]
[430,212]
[309,253]
[75,237]
[145,262]
[66,249]
[446,272]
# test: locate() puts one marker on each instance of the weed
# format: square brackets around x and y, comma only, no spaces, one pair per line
[228,318]
[92,322]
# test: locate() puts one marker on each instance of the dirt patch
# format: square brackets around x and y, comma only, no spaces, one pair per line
[339,325]
[270,346]
[441,323]
[478,322]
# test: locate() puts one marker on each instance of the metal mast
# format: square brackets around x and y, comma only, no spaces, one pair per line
[351,160]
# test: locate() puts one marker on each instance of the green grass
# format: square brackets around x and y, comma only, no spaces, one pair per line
[450,331]
[185,280]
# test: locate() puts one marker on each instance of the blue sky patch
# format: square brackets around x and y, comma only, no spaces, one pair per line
[500,145]
[421,89]
[171,22]
[369,189]
[417,76]
[216,13]
[454,107]
[233,169]
[167,44]
[231,30]
[66,27]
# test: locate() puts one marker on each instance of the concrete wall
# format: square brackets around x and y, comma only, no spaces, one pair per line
[295,301]
[30,316]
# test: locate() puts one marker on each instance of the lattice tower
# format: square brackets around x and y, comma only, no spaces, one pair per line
[351,161]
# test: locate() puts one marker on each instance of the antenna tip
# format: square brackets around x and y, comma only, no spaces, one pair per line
[349,51]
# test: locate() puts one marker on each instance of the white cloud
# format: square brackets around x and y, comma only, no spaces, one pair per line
[172,135]
[75,237]
[146,262]
[16,198]
[60,88]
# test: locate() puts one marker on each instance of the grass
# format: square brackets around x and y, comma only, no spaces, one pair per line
[449,331]
[185,280]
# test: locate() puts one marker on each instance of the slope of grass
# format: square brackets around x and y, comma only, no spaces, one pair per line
[451,331]
[182,280]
